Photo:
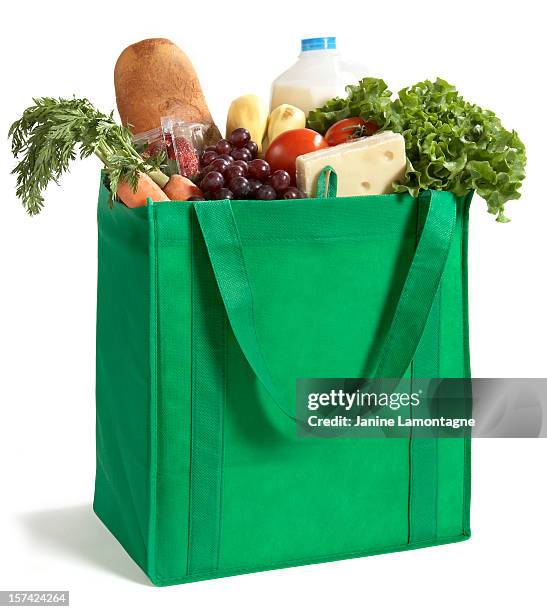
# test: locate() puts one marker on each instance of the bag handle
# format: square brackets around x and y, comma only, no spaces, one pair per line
[327,183]
[219,228]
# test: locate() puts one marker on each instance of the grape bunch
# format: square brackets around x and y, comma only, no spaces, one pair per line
[233,170]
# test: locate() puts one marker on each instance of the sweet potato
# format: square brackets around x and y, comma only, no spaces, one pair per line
[154,78]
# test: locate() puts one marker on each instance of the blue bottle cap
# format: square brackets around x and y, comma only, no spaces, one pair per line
[315,44]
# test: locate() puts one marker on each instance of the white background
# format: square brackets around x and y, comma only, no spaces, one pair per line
[49,539]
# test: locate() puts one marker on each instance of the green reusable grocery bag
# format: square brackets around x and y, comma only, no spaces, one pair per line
[207,314]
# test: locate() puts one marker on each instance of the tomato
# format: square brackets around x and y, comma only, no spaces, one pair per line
[283,151]
[348,129]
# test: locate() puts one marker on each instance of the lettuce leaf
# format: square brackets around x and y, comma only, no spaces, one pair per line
[451,144]
[369,98]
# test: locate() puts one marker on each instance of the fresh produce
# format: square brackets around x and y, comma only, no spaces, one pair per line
[242,154]
[259,169]
[248,112]
[370,99]
[266,192]
[212,181]
[292,193]
[180,188]
[52,132]
[283,151]
[253,148]
[349,129]
[283,118]
[240,187]
[154,78]
[227,174]
[146,188]
[428,137]
[451,144]
[280,180]
[367,166]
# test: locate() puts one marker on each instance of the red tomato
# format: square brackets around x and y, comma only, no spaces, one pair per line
[348,129]
[283,151]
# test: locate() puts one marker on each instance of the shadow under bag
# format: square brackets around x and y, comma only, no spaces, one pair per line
[207,314]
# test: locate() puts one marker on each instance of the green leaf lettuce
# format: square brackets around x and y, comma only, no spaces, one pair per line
[451,144]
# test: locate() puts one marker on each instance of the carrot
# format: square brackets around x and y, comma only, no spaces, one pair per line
[180,188]
[51,134]
[146,188]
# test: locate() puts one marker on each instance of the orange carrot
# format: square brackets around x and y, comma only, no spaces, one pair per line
[180,188]
[146,188]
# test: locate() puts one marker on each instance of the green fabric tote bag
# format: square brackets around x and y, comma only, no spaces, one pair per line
[207,314]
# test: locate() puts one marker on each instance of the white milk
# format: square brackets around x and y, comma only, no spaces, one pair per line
[319,75]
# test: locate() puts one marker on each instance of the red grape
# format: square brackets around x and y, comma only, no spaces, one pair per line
[223,194]
[252,147]
[280,180]
[223,147]
[227,157]
[243,164]
[242,154]
[195,199]
[240,187]
[208,156]
[232,171]
[219,165]
[212,181]
[266,192]
[240,137]
[255,184]
[211,148]
[292,193]
[259,169]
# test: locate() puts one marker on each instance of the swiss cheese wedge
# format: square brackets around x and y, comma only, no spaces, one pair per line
[367,166]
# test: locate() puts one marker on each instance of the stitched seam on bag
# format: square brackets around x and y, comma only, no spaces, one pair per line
[156,379]
[436,404]
[251,239]
[154,269]
[465,308]
[192,364]
[410,441]
[462,271]
[258,240]
[221,483]
[193,540]
[304,560]
[410,465]
[437,305]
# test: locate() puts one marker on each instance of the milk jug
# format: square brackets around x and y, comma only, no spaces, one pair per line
[319,75]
